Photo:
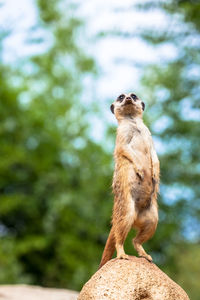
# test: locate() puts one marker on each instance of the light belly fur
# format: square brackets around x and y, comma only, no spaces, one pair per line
[125,178]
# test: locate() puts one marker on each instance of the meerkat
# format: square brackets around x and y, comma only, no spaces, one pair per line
[135,180]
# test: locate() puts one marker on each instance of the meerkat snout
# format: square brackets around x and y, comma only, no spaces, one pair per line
[128,100]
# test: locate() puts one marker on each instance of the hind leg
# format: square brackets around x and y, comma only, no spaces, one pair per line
[143,235]
[122,226]
[120,239]
[147,223]
[121,231]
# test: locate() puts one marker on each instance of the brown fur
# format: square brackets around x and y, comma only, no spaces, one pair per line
[135,181]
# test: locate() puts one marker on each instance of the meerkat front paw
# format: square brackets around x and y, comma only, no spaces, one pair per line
[140,174]
[154,179]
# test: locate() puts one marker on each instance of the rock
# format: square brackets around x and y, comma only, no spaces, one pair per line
[133,279]
[27,292]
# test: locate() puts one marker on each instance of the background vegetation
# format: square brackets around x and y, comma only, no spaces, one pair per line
[55,195]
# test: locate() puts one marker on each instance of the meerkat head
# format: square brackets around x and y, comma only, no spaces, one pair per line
[127,106]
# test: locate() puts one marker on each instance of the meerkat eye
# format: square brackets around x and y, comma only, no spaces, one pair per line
[134,97]
[121,97]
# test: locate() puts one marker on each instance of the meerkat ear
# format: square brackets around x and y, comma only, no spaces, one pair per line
[143,106]
[112,108]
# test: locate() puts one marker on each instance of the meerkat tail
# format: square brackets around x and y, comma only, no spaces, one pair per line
[109,249]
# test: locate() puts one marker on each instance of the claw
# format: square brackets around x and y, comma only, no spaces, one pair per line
[140,175]
[123,256]
[147,257]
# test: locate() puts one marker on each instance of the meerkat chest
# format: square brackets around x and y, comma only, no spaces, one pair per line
[135,135]
[141,137]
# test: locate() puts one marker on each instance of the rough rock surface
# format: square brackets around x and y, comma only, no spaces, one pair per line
[27,292]
[133,279]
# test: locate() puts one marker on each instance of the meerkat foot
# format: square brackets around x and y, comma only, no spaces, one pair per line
[123,256]
[147,256]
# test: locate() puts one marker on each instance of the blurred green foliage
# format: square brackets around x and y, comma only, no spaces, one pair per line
[55,181]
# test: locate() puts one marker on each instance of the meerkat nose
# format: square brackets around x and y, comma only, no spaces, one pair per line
[128,100]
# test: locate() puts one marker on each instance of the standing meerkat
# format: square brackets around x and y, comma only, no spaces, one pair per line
[135,180]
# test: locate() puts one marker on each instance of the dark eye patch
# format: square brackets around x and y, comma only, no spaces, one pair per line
[143,106]
[134,97]
[112,108]
[121,97]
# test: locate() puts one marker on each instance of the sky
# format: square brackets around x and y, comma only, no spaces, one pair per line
[115,16]
[117,58]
